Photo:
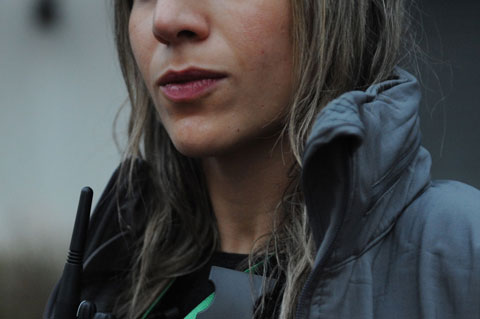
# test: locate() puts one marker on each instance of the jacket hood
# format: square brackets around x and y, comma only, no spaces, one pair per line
[362,165]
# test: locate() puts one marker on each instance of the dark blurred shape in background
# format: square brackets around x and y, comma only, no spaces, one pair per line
[46,14]
[26,281]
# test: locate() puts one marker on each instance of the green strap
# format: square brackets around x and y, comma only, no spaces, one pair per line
[201,306]
[145,315]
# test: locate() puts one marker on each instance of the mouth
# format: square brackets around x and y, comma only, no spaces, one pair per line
[189,84]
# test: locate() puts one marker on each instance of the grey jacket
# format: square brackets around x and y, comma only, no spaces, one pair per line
[391,243]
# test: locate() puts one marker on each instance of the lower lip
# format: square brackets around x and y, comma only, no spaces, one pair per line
[189,91]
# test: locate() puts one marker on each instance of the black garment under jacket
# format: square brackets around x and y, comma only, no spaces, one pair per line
[391,242]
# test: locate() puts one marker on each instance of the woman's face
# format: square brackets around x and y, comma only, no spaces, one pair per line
[219,71]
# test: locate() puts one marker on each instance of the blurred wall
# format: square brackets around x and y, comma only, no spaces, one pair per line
[60,89]
[450,112]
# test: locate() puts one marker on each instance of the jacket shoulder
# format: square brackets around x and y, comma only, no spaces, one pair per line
[447,207]
[439,233]
[429,264]
[445,216]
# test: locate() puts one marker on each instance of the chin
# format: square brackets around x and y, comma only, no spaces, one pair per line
[199,139]
[197,148]
[219,143]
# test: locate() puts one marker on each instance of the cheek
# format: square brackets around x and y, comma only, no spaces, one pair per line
[263,49]
[262,35]
[139,35]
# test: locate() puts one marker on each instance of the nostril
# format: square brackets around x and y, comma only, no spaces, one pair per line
[167,38]
[187,34]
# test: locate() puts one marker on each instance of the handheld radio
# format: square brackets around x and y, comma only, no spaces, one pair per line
[69,291]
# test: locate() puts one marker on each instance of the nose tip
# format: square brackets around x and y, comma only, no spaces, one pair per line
[173,24]
[169,37]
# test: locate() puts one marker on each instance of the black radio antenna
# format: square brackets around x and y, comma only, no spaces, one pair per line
[68,297]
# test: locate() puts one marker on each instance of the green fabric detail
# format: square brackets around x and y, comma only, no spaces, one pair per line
[254,267]
[145,315]
[201,307]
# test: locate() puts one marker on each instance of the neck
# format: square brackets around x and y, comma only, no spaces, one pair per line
[245,189]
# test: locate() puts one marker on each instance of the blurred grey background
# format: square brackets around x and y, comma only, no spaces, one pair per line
[451,83]
[60,89]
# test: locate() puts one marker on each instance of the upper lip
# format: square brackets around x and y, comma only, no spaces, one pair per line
[188,75]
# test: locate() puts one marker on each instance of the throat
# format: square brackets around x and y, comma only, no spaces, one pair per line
[246,191]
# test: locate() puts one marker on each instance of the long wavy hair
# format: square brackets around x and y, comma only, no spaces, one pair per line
[339,45]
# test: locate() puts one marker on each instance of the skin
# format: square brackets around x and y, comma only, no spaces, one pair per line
[234,127]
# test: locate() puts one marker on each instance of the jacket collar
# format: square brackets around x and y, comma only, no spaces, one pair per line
[362,165]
